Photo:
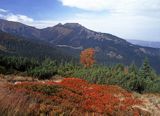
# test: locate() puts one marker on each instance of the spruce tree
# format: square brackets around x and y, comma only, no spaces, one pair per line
[144,77]
[132,83]
[146,70]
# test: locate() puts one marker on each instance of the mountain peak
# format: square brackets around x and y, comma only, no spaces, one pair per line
[68,25]
[72,25]
[59,24]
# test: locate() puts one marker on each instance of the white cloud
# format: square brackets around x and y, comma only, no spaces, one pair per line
[118,6]
[18,18]
[3,10]
[5,14]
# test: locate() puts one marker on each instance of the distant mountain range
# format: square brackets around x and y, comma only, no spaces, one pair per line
[71,38]
[145,43]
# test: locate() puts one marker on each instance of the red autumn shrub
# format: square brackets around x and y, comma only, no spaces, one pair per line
[77,94]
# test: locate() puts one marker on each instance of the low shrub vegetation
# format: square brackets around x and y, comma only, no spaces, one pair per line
[71,96]
[132,78]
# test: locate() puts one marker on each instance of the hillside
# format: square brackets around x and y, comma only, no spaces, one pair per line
[73,96]
[19,29]
[109,48]
[20,46]
[73,37]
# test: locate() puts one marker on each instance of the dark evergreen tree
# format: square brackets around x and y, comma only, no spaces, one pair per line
[144,77]
[146,70]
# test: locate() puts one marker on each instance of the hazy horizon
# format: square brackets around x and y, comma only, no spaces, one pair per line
[128,19]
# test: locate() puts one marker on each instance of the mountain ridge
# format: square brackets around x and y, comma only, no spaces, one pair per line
[153,44]
[110,49]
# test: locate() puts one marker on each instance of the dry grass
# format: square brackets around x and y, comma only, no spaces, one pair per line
[151,103]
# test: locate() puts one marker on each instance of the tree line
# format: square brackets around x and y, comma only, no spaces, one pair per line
[132,78]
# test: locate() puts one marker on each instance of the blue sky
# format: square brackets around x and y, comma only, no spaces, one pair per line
[129,19]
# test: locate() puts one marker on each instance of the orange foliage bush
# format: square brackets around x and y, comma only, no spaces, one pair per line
[87,57]
[81,96]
